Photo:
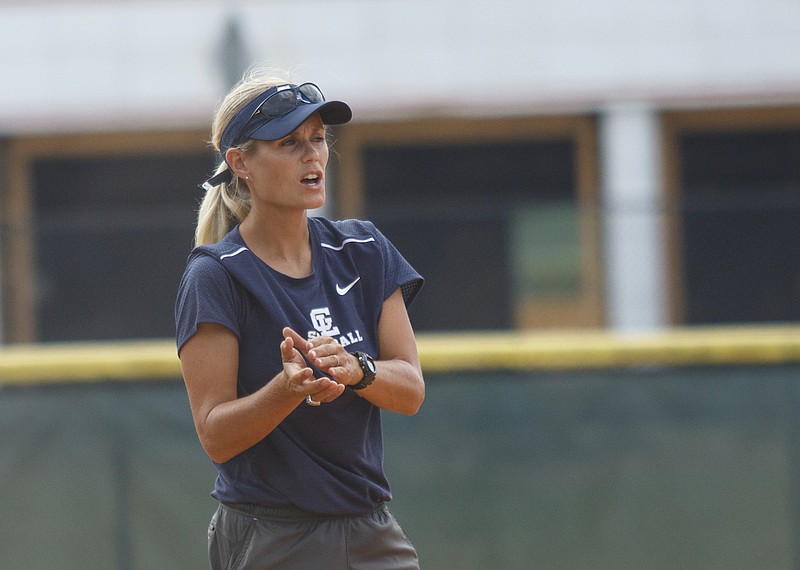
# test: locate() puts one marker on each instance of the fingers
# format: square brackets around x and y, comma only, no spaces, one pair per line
[328,394]
[323,390]
[287,349]
[324,356]
[325,362]
[324,353]
[328,355]
[300,342]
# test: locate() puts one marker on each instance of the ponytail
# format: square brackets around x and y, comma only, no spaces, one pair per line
[223,207]
[227,204]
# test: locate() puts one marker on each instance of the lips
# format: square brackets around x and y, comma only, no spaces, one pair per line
[312,179]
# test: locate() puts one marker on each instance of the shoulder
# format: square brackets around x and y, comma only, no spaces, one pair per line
[339,234]
[336,232]
[355,235]
[228,246]
[362,241]
[204,273]
[211,254]
[205,261]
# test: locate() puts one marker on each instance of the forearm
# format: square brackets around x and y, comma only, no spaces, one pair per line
[234,426]
[398,387]
[226,424]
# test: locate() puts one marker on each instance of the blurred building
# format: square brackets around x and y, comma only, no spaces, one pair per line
[628,164]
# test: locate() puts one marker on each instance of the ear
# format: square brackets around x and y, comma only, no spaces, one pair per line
[235,159]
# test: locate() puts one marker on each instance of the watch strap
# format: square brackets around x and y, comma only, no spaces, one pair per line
[367,365]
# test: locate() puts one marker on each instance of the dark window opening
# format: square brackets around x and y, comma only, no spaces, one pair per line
[465,215]
[112,238]
[741,226]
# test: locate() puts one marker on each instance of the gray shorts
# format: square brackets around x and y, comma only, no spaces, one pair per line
[247,537]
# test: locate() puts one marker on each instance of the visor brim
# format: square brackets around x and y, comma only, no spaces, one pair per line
[331,113]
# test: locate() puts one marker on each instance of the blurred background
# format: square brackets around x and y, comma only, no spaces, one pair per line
[611,167]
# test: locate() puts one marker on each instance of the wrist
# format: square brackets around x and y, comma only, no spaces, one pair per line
[368,370]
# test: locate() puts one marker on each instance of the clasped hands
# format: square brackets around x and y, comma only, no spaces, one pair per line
[328,356]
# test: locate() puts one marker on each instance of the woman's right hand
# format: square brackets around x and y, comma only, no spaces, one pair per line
[298,375]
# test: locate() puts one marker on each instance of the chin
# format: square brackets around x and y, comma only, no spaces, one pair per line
[316,204]
[319,198]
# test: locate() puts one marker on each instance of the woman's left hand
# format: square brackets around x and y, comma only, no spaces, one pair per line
[328,355]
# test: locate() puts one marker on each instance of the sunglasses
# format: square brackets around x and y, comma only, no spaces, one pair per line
[282,102]
[287,98]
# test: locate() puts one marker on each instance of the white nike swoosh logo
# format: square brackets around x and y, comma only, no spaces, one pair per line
[344,290]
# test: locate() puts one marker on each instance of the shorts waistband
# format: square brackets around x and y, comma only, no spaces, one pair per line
[291,512]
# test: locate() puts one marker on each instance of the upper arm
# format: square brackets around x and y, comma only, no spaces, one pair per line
[395,333]
[209,364]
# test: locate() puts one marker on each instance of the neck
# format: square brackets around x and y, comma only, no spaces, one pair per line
[282,242]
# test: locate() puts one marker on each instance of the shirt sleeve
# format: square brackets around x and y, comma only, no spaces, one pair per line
[206,294]
[397,271]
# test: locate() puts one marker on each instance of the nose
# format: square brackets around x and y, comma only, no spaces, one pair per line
[311,150]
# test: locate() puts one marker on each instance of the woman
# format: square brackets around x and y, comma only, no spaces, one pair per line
[293,334]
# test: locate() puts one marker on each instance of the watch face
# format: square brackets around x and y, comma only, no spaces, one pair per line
[370,364]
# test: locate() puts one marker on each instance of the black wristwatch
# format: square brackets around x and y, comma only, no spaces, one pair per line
[367,367]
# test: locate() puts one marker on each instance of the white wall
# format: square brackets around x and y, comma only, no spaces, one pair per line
[119,64]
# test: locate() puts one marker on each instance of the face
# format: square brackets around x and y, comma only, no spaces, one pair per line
[288,173]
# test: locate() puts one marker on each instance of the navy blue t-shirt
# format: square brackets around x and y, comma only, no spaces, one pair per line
[326,459]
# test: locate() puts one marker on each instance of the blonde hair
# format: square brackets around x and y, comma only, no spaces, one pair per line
[227,204]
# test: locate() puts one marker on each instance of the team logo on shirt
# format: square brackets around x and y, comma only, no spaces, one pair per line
[323,326]
[323,323]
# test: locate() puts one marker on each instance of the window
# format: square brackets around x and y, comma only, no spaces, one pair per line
[107,224]
[490,212]
[737,202]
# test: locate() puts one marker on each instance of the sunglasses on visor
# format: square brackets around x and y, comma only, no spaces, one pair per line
[283,101]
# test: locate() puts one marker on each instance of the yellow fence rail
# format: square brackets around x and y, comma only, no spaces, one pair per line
[442,352]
